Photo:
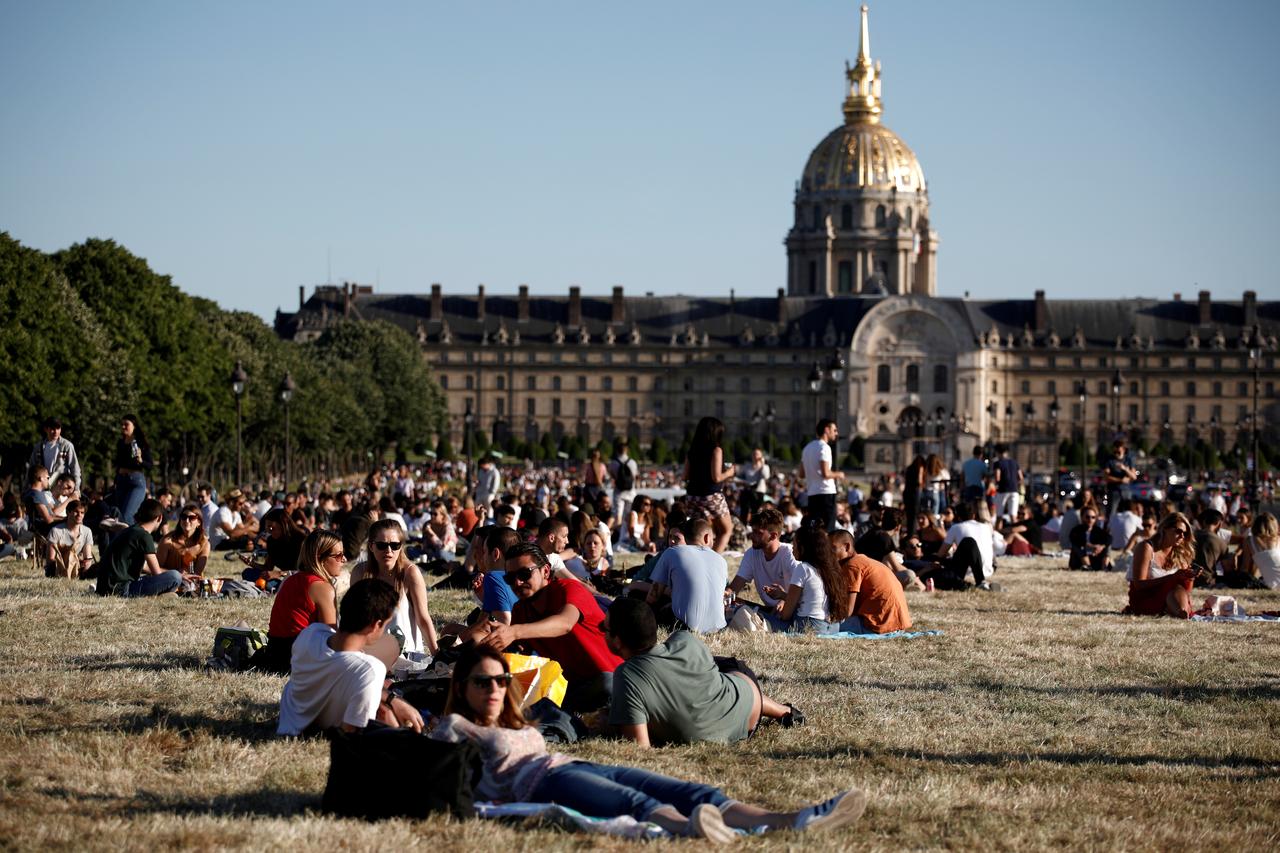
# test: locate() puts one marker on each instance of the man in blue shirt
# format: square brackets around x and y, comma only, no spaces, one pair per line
[695,577]
[497,599]
[975,475]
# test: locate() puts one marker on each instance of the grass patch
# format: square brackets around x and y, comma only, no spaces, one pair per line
[1041,719]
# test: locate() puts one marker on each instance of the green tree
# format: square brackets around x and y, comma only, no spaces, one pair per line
[660,451]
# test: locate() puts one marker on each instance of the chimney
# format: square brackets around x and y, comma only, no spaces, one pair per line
[1042,312]
[575,307]
[1206,313]
[1250,308]
[522,308]
[480,303]
[782,307]
[437,304]
[619,307]
[302,295]
[346,299]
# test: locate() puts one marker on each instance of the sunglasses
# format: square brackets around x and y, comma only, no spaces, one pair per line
[482,682]
[191,518]
[912,544]
[382,546]
[336,554]
[519,575]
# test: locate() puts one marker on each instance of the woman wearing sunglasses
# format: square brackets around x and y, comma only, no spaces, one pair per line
[186,548]
[518,768]
[388,561]
[306,597]
[1161,577]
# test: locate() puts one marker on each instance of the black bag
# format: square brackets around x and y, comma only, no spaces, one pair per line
[623,481]
[382,772]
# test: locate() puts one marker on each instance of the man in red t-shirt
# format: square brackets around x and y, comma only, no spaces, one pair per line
[558,619]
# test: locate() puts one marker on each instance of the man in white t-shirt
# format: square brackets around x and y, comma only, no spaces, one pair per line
[968,550]
[819,477]
[625,473]
[1123,525]
[335,680]
[768,563]
[228,529]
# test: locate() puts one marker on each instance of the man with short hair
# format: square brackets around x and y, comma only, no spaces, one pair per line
[819,477]
[56,454]
[769,562]
[1008,484]
[974,471]
[208,508]
[1210,546]
[879,605]
[553,537]
[1123,524]
[1089,541]
[676,692]
[129,566]
[558,619]
[1116,472]
[693,576]
[335,680]
[497,599]
[624,472]
[968,549]
[229,530]
[488,481]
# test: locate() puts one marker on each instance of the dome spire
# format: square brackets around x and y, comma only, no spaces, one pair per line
[863,102]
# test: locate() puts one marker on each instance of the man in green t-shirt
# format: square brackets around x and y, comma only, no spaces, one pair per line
[676,692]
[129,566]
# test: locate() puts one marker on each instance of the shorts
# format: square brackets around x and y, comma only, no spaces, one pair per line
[707,506]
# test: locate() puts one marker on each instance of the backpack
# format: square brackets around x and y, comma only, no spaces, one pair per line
[232,648]
[624,480]
[415,775]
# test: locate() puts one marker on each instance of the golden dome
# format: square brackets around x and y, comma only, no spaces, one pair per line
[862,156]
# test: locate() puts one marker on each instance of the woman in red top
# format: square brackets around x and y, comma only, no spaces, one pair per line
[306,596]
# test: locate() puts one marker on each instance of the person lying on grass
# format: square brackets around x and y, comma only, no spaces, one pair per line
[518,768]
[337,681]
[1161,577]
[676,692]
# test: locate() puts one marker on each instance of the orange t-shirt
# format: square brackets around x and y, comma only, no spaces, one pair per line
[878,598]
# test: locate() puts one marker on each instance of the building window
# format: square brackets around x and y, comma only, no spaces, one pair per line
[1077,361]
[501,382]
[744,409]
[813,276]
[582,408]
[471,382]
[770,385]
[444,381]
[555,383]
[633,384]
[606,382]
[1164,413]
[1133,389]
[795,386]
[846,277]
[688,384]
[913,379]
[1102,362]
[1164,389]
[608,407]
[688,408]
[632,407]
[817,217]
[1026,387]
[555,406]
[910,217]
[657,408]
[883,380]
[995,387]
[607,358]
[719,384]
[880,218]
[1242,389]
[582,383]
[1052,361]
[1191,389]
[531,406]
[1217,389]
[1191,362]
[1133,362]
[720,409]
[1103,388]
[531,382]
[744,385]
[502,406]
[846,216]
[1133,413]
[1102,413]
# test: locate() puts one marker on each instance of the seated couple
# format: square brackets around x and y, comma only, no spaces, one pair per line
[819,583]
[336,684]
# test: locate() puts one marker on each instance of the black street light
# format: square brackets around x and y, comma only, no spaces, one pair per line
[286,394]
[770,415]
[1117,384]
[756,418]
[238,380]
[468,419]
[1082,389]
[1255,344]
[1053,425]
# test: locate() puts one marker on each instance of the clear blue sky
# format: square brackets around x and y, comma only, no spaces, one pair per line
[1093,149]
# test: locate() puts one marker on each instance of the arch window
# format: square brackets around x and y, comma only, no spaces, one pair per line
[910,217]
[846,277]
[913,378]
[883,379]
[813,276]
[940,379]
[817,217]
[846,216]
[880,216]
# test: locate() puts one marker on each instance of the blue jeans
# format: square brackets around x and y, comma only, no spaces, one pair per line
[168,581]
[606,790]
[853,625]
[129,492]
[798,624]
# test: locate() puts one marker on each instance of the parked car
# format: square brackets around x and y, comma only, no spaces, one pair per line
[1141,490]
[1068,485]
[1041,486]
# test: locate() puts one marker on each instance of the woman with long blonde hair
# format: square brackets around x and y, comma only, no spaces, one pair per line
[1260,553]
[307,596]
[388,561]
[1161,577]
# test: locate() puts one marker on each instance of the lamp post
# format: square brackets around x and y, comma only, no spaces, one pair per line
[468,419]
[1082,389]
[756,418]
[286,394]
[770,415]
[1053,426]
[1255,354]
[238,380]
[1008,420]
[815,379]
[993,411]
[1117,383]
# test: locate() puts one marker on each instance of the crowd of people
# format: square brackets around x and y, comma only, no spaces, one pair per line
[352,568]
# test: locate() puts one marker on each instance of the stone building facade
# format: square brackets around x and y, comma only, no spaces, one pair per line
[858,333]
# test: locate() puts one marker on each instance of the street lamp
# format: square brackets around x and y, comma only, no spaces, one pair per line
[756,418]
[1008,420]
[815,380]
[1255,354]
[770,414]
[1117,383]
[468,419]
[1053,424]
[238,380]
[286,394]
[1082,389]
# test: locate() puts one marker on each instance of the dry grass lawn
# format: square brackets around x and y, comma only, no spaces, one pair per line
[1041,719]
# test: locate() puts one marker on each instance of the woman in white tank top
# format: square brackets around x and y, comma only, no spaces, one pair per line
[1161,577]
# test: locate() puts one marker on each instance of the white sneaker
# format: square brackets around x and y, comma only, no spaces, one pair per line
[707,822]
[840,810]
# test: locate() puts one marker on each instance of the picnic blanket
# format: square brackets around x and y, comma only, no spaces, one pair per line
[1261,617]
[892,635]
